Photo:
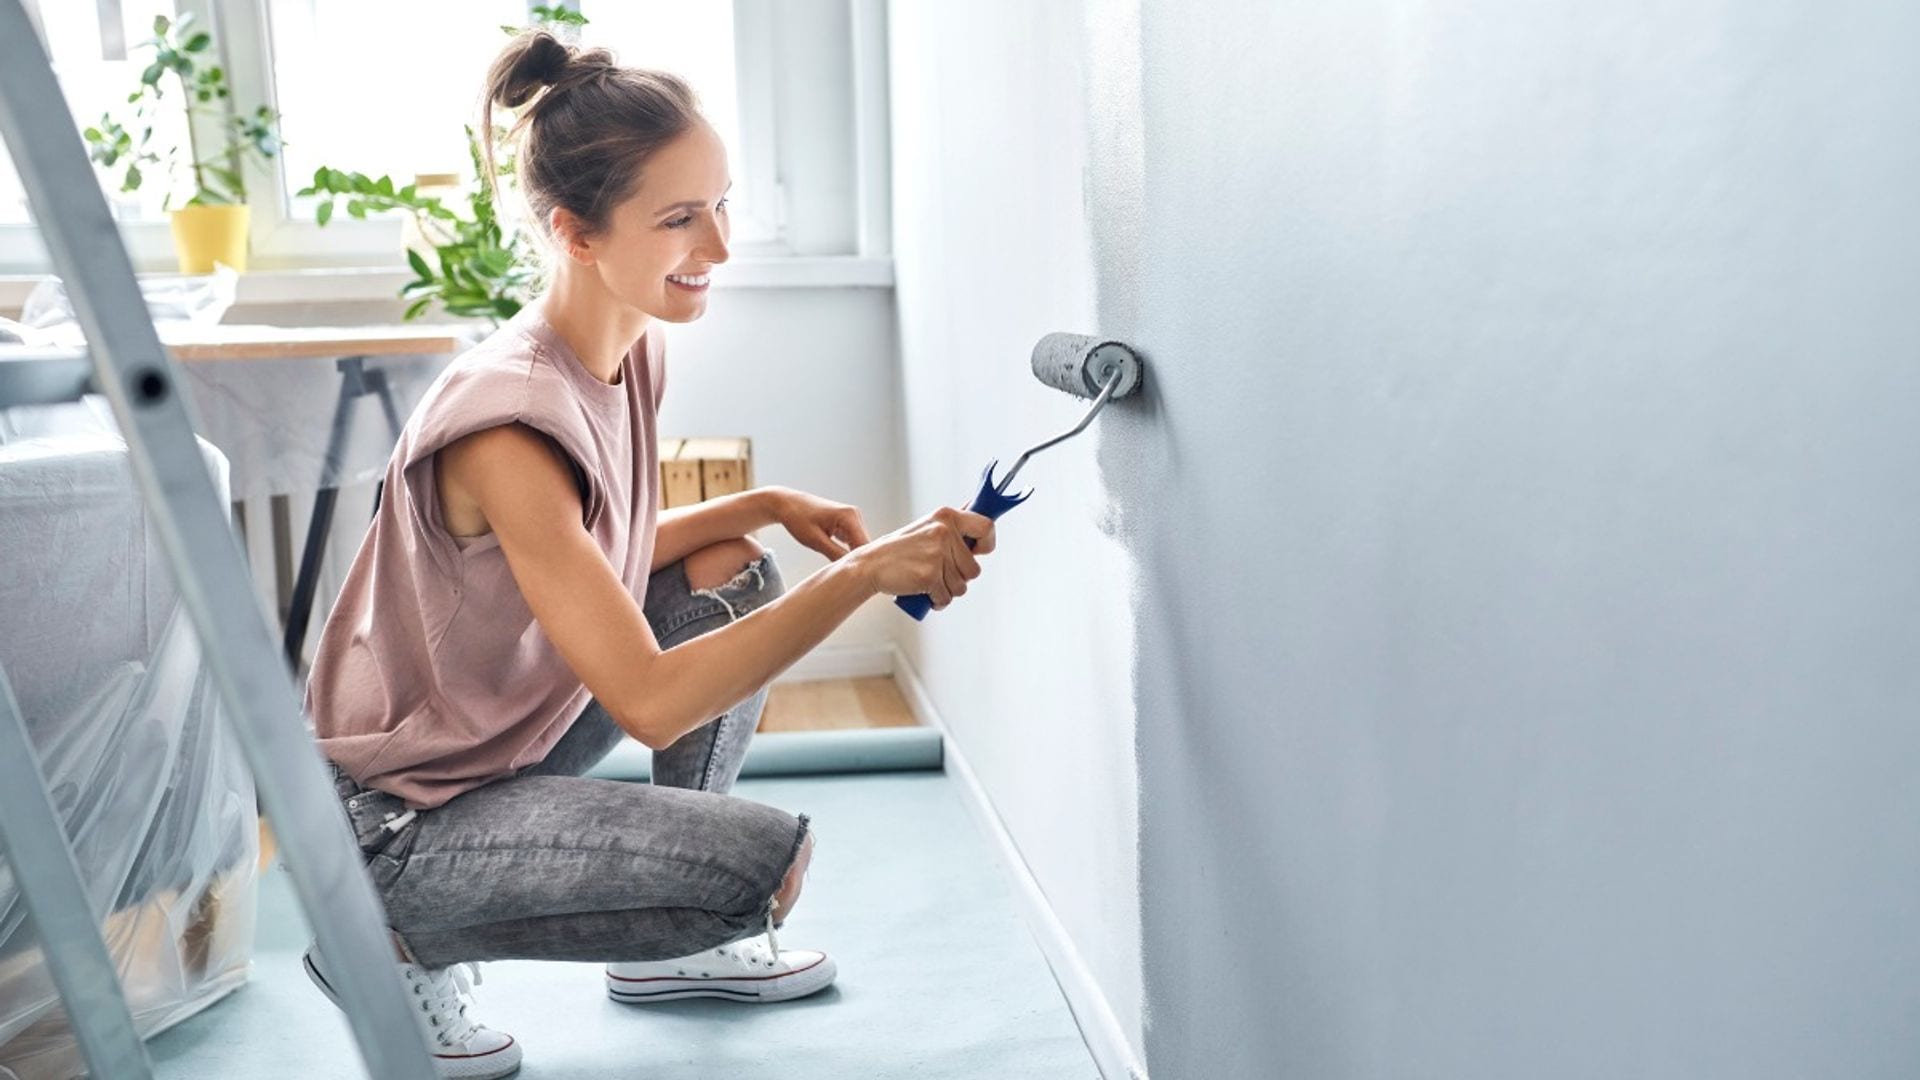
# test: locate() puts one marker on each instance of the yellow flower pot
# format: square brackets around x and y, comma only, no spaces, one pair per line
[204,234]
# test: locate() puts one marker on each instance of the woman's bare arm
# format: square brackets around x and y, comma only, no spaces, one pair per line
[523,486]
[684,530]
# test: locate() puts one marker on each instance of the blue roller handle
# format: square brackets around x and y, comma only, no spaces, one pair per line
[989,503]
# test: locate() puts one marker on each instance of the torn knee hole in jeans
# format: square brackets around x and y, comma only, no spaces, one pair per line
[750,573]
[793,856]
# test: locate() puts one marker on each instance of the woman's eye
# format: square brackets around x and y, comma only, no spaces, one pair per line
[681,223]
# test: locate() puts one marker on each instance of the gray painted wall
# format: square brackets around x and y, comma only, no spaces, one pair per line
[1528,631]
[1508,576]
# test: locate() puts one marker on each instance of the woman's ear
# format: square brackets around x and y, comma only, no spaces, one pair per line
[567,235]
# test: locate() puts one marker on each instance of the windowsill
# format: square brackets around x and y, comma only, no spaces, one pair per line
[374,284]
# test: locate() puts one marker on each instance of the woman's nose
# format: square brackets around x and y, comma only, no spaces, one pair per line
[713,247]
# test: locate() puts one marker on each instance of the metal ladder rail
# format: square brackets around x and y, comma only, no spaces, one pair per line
[141,383]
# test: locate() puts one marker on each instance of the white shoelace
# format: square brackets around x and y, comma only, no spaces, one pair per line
[445,994]
[757,950]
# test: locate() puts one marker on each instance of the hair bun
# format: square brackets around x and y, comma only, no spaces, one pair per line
[531,63]
[546,58]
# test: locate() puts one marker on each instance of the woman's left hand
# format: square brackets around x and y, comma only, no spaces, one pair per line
[830,528]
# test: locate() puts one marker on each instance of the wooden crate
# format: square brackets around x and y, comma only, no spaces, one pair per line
[695,470]
[726,465]
[679,480]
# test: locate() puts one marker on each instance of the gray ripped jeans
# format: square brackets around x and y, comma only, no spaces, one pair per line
[548,864]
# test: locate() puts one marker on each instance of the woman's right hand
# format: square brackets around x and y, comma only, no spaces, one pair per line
[929,555]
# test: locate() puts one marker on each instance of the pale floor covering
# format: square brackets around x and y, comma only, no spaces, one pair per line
[939,976]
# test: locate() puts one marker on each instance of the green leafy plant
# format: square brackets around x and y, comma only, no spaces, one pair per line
[182,53]
[556,15]
[479,267]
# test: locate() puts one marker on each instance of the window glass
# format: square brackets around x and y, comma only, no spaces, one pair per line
[94,85]
[380,87]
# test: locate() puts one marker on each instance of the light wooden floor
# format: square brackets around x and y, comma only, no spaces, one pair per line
[834,705]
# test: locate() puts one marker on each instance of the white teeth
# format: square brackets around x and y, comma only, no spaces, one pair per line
[695,281]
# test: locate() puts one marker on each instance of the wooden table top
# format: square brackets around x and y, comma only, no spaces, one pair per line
[259,342]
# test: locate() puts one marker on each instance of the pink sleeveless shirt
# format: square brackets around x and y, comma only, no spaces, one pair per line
[431,676]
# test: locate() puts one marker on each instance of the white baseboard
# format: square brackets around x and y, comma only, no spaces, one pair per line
[1098,1026]
[841,662]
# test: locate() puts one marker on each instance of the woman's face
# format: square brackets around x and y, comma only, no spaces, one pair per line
[674,226]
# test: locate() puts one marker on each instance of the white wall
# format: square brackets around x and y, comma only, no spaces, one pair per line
[1031,668]
[810,374]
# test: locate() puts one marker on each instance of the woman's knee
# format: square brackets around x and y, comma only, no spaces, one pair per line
[716,564]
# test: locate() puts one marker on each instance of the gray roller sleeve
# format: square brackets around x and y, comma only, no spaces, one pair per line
[1081,365]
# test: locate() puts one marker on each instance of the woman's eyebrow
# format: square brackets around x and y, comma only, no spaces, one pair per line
[691,204]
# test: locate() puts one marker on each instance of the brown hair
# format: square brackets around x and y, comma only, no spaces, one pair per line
[589,126]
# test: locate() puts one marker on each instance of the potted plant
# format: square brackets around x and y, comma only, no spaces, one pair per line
[470,263]
[212,224]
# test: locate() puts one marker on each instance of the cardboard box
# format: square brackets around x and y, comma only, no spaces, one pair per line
[726,465]
[695,470]
[679,480]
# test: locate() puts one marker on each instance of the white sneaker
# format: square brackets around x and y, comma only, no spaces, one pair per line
[754,969]
[462,1048]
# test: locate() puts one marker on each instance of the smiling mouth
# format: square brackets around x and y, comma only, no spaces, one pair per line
[690,282]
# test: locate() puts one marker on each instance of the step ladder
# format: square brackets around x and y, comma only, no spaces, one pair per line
[125,361]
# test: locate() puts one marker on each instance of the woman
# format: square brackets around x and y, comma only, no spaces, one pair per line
[520,606]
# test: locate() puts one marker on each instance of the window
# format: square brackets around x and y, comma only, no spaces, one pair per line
[358,90]
[94,84]
[384,87]
[432,92]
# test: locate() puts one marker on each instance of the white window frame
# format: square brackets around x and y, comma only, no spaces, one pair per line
[814,66]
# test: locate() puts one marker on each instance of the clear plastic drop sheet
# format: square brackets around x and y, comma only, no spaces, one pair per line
[130,732]
[273,419]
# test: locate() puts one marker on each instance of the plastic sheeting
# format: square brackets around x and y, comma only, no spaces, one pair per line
[188,299]
[272,418]
[156,798]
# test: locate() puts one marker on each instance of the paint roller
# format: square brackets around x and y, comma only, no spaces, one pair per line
[1086,367]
